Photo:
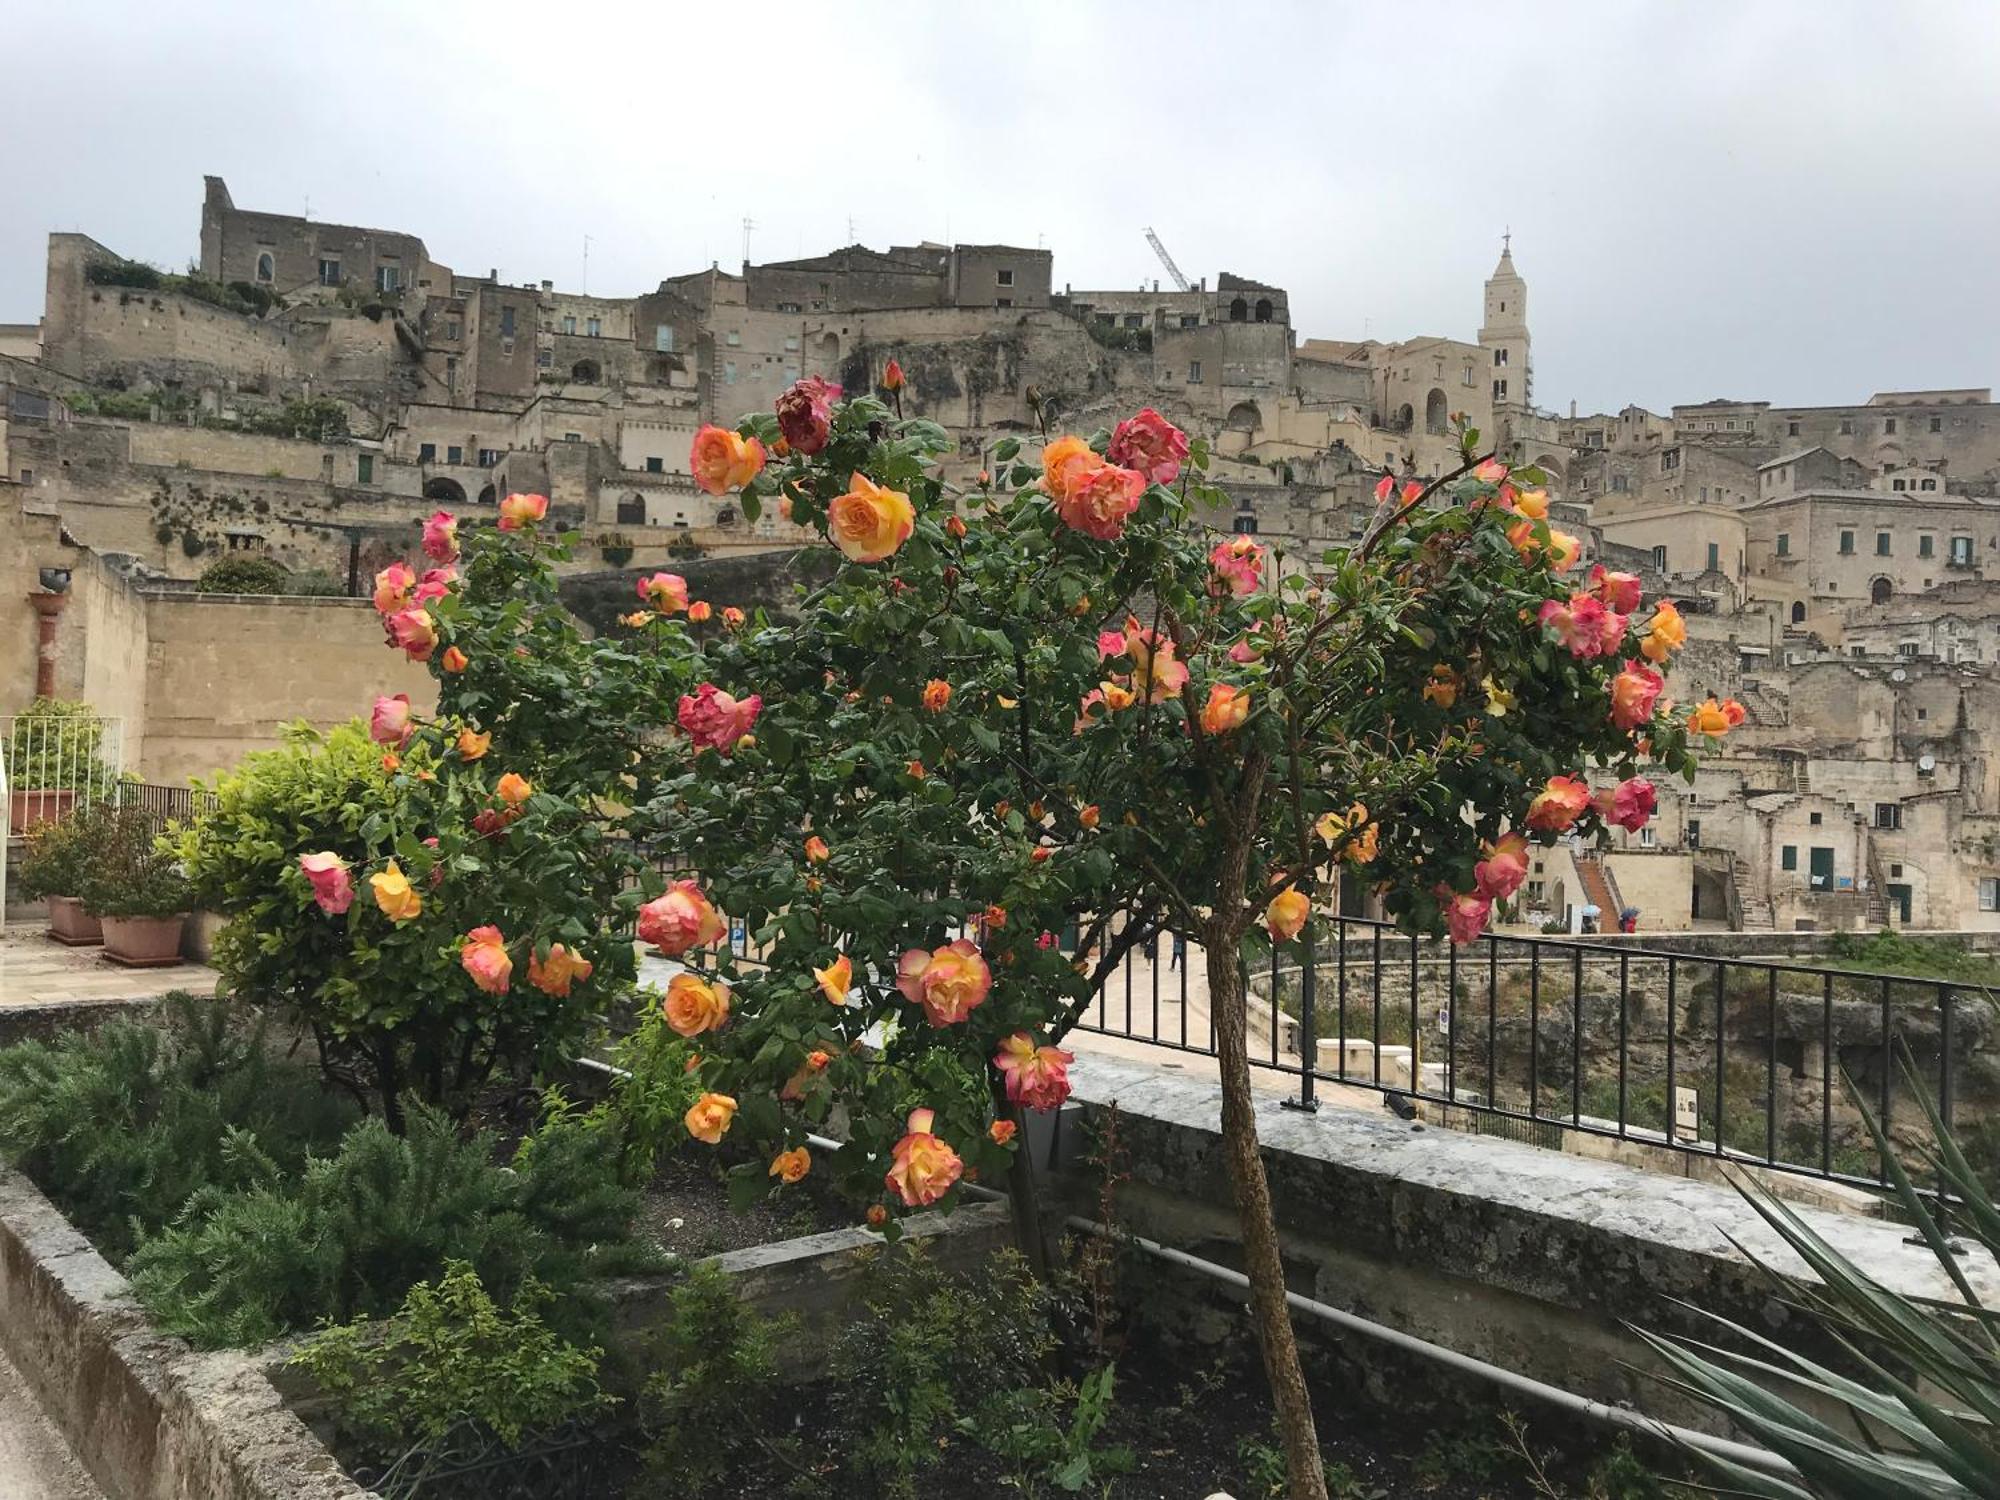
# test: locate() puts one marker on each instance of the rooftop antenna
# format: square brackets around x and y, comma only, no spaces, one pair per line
[748,225]
[309,205]
[850,229]
[586,265]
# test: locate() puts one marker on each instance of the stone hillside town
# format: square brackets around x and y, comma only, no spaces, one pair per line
[307,392]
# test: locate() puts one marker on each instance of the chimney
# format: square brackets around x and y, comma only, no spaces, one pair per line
[548,286]
[493,275]
[1572,409]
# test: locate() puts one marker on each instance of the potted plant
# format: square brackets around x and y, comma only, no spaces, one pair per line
[55,867]
[137,889]
[54,751]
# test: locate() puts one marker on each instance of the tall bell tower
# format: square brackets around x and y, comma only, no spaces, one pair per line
[1510,368]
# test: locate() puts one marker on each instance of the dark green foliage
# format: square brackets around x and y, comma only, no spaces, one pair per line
[317,583]
[127,873]
[928,1349]
[131,273]
[244,575]
[59,850]
[317,418]
[356,1230]
[1924,1375]
[450,1355]
[714,1399]
[122,1126]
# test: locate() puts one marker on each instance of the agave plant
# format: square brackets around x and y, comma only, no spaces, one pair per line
[1923,1391]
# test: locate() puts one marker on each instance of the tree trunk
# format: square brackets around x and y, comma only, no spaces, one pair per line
[1262,1262]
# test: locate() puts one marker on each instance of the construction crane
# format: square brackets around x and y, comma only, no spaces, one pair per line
[1166,259]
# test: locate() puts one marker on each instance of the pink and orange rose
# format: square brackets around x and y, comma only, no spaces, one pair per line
[694,1005]
[332,885]
[1035,1077]
[681,919]
[922,1168]
[949,982]
[715,720]
[483,955]
[520,512]
[1150,445]
[723,460]
[871,521]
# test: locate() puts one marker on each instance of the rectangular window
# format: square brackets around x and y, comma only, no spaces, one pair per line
[1694,833]
[729,372]
[791,343]
[1646,837]
[427,453]
[388,278]
[453,329]
[1499,390]
[1889,424]
[663,338]
[506,322]
[1660,558]
[1190,320]
[569,322]
[364,468]
[329,271]
[1961,551]
[1499,357]
[1784,544]
[454,454]
[656,465]
[1989,893]
[488,457]
[1670,460]
[1194,372]
[1135,320]
[1888,815]
[1788,857]
[1003,278]
[1814,819]
[1847,544]
[1881,544]
[1926,545]
[1937,424]
[1847,427]
[1003,301]
[1714,557]
[594,328]
[572,437]
[1792,430]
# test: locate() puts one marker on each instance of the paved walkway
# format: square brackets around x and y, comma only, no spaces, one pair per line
[36,970]
[35,1463]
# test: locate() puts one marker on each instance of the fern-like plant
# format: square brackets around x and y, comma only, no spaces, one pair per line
[1923,1390]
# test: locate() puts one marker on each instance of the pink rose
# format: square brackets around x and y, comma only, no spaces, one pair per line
[1500,874]
[389,723]
[1099,501]
[1619,591]
[1632,804]
[665,592]
[949,982]
[413,632]
[716,721]
[1037,1077]
[681,919]
[436,584]
[1579,624]
[1634,691]
[1466,915]
[483,955]
[332,885]
[1239,563]
[1150,444]
[441,537]
[1559,804]
[392,588]
[805,414]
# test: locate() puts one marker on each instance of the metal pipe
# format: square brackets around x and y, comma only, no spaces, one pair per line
[1615,1416]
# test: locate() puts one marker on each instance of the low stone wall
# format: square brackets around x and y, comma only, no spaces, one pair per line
[151,1418]
[1530,1259]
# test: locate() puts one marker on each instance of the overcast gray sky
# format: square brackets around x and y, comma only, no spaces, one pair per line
[1790,199]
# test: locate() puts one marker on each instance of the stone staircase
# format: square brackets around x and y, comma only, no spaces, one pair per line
[1599,889]
[1757,911]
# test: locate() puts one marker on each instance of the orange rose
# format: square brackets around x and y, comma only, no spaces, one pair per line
[1666,633]
[836,979]
[877,1216]
[1709,718]
[564,968]
[816,850]
[1000,1132]
[922,1168]
[693,1005]
[723,460]
[817,1059]
[699,611]
[708,1117]
[1564,550]
[397,898]
[948,982]
[1064,462]
[454,660]
[472,744]
[937,693]
[870,521]
[1226,709]
[1285,917]
[519,512]
[681,919]
[790,1166]
[1089,816]
[513,790]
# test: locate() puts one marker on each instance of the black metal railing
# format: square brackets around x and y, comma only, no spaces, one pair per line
[1744,1060]
[167,804]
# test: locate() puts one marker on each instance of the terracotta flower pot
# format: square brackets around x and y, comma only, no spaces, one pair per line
[143,942]
[26,808]
[70,923]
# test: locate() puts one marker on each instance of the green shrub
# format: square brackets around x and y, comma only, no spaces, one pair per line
[317,583]
[128,872]
[122,1126]
[713,1401]
[244,575]
[58,852]
[355,1231]
[451,1355]
[929,1349]
[129,273]
[57,744]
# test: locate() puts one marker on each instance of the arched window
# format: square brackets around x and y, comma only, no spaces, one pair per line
[267,268]
[1244,417]
[632,511]
[1263,309]
[489,496]
[1406,417]
[1798,612]
[445,491]
[1434,412]
[1238,310]
[585,371]
[1880,590]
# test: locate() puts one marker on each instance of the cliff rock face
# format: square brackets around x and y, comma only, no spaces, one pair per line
[770,579]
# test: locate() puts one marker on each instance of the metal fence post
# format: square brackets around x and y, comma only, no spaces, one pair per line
[1308,1030]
